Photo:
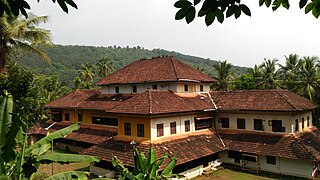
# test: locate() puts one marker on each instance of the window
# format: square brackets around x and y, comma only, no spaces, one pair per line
[173,128]
[236,155]
[117,89]
[79,117]
[271,160]
[203,124]
[140,130]
[159,130]
[201,88]
[297,125]
[302,120]
[66,117]
[258,125]
[187,126]
[186,87]
[276,126]
[127,129]
[224,122]
[56,116]
[308,123]
[241,123]
[154,86]
[134,89]
[111,121]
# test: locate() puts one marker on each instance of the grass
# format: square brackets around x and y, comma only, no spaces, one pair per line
[231,173]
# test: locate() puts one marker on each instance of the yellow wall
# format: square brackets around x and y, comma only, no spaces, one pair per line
[86,115]
[134,122]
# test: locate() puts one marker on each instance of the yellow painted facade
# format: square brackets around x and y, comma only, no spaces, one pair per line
[134,121]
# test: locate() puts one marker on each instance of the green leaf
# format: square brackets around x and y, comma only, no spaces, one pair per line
[209,18]
[63,5]
[230,11]
[3,173]
[191,15]
[245,9]
[195,2]
[66,158]
[6,110]
[237,12]
[285,4]
[71,3]
[315,13]
[302,3]
[268,3]
[68,175]
[169,167]
[261,2]
[55,135]
[219,15]
[202,12]
[182,12]
[182,3]
[42,150]
[309,7]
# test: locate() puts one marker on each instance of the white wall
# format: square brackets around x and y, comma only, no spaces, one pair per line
[249,120]
[178,87]
[166,124]
[299,116]
[300,168]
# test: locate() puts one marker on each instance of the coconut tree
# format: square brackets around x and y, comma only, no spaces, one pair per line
[256,73]
[224,75]
[269,74]
[105,67]
[86,72]
[308,76]
[21,33]
[289,72]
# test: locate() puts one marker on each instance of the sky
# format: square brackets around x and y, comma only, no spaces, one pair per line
[150,24]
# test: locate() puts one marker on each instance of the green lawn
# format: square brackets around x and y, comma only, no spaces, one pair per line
[236,174]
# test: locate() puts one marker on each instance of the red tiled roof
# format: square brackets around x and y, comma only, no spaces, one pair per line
[93,134]
[202,145]
[261,100]
[158,102]
[89,99]
[280,145]
[155,70]
[310,139]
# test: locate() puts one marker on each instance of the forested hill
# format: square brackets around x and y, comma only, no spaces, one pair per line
[67,60]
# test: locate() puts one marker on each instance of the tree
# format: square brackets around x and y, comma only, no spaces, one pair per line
[145,168]
[269,75]
[245,81]
[309,77]
[20,161]
[105,67]
[11,7]
[289,73]
[222,9]
[86,72]
[224,74]
[21,33]
[31,91]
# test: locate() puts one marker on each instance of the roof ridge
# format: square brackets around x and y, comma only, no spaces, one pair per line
[174,67]
[287,101]
[150,104]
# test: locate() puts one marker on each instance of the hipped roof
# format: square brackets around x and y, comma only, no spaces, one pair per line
[261,100]
[161,69]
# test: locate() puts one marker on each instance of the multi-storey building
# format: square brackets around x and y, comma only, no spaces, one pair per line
[166,104]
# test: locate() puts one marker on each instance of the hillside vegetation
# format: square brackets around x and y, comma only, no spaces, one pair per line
[67,60]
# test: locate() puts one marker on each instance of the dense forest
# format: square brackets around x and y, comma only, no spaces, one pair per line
[67,60]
